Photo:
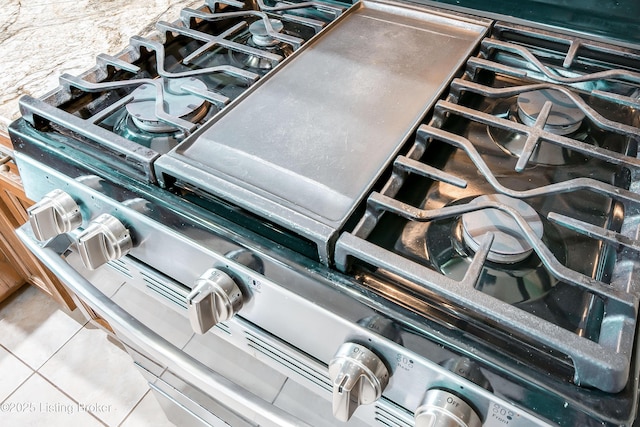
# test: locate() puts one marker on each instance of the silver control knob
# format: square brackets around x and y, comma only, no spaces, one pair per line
[359,377]
[215,298]
[105,239]
[443,409]
[55,214]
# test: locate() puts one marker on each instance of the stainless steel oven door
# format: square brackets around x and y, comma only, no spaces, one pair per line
[232,401]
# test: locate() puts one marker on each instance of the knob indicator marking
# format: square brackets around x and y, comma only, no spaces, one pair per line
[359,377]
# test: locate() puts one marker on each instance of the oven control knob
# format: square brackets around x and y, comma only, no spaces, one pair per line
[443,409]
[55,214]
[215,298]
[105,239]
[359,377]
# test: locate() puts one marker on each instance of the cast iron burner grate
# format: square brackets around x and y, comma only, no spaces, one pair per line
[579,174]
[144,101]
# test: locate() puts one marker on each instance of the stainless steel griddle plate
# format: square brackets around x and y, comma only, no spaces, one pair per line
[306,144]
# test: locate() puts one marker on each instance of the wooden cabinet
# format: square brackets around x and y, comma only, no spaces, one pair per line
[17,264]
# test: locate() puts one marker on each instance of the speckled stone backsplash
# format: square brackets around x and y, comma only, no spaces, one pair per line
[40,40]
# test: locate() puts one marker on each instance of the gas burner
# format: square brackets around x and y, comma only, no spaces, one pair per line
[261,39]
[259,34]
[138,121]
[161,142]
[509,244]
[512,273]
[565,119]
[177,103]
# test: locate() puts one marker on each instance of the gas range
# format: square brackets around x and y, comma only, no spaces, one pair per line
[419,215]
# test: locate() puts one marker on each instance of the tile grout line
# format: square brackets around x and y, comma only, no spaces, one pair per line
[43,363]
[55,385]
[33,371]
[36,371]
[63,344]
[11,353]
[21,384]
[58,350]
[71,398]
[134,407]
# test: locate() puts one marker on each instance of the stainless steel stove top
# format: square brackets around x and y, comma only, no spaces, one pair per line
[392,178]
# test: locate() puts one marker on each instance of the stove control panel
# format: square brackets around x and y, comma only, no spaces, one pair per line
[215,298]
[55,214]
[105,239]
[441,408]
[359,377]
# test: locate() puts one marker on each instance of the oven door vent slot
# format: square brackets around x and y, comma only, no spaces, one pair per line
[290,362]
[224,328]
[165,291]
[386,418]
[120,267]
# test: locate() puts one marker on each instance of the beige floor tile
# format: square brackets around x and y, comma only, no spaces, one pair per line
[38,403]
[33,327]
[147,413]
[95,372]
[12,373]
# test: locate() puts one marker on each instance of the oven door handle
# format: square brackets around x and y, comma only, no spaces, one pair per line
[229,394]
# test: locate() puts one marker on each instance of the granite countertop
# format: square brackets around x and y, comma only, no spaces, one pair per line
[41,40]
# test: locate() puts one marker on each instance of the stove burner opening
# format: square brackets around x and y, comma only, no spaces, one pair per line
[513,272]
[177,103]
[259,38]
[259,34]
[509,244]
[564,118]
[138,121]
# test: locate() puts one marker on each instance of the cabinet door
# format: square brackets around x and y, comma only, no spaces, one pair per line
[13,213]
[10,278]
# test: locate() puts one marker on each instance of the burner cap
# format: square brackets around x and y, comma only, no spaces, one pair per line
[509,244]
[565,117]
[177,103]
[259,34]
